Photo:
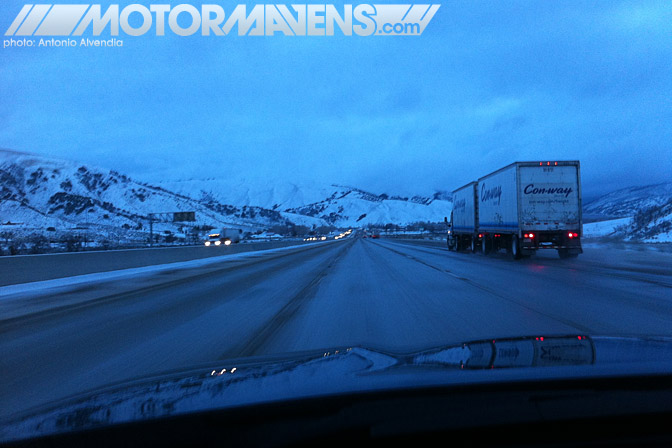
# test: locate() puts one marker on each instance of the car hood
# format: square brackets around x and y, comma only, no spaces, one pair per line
[345,371]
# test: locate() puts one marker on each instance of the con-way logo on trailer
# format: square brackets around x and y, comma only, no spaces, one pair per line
[211,19]
[548,190]
[493,194]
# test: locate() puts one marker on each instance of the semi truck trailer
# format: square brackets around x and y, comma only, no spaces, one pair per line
[522,208]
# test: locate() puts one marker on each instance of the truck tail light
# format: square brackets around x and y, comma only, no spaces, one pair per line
[529,235]
[572,235]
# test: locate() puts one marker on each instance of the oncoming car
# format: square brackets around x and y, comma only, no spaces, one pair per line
[225,237]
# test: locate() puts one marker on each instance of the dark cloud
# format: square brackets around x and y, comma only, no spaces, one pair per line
[488,83]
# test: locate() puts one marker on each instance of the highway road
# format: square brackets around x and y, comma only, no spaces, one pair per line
[395,295]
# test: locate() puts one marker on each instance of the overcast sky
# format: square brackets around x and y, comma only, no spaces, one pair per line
[488,83]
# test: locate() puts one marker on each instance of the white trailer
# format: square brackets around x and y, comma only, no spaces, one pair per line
[224,236]
[464,218]
[524,207]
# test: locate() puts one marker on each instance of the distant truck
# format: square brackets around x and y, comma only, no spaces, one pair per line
[522,207]
[224,236]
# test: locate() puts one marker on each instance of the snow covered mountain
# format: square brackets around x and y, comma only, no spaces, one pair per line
[337,205]
[40,193]
[627,202]
[357,207]
[652,225]
[271,194]
[640,213]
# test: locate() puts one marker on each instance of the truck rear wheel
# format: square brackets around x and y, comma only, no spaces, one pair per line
[564,253]
[486,245]
[515,248]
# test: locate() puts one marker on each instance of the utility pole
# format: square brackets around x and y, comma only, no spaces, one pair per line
[151,229]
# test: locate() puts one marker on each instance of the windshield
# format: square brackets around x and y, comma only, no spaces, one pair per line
[392,179]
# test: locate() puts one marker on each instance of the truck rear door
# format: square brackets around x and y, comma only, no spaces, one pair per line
[550,196]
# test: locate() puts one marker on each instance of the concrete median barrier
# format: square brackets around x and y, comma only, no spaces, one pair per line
[31,268]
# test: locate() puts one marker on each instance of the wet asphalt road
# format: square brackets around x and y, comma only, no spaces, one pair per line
[396,295]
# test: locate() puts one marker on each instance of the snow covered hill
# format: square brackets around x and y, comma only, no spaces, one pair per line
[653,224]
[38,192]
[338,205]
[271,194]
[41,194]
[627,201]
[633,214]
[608,228]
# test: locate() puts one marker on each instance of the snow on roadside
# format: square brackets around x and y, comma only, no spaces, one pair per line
[604,228]
[40,286]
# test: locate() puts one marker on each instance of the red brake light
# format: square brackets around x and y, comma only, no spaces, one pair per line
[531,235]
[548,163]
[556,163]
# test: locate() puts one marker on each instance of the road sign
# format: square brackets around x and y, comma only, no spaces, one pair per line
[184,216]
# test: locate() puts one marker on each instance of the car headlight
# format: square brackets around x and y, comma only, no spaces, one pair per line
[207,243]
[217,243]
[227,242]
